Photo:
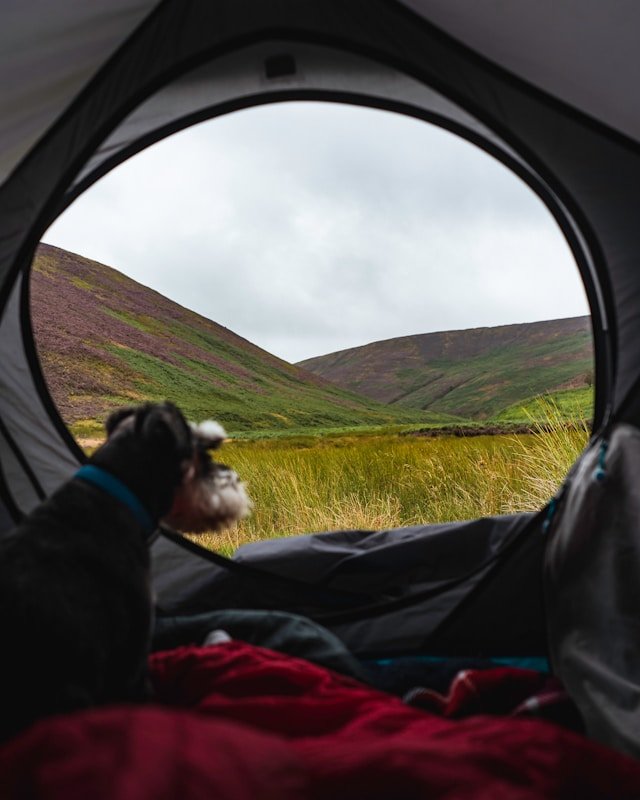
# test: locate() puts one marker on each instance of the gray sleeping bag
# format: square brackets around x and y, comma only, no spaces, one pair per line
[592,588]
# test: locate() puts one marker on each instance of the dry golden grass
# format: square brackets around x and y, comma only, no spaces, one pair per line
[380,482]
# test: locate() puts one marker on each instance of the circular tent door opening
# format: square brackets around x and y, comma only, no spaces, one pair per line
[325,280]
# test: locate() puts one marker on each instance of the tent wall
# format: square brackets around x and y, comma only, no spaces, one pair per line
[583,52]
[49,51]
[36,455]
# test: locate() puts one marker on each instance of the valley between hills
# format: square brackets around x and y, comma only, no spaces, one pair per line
[104,340]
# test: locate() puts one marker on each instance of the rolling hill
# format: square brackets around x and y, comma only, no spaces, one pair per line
[478,373]
[105,340]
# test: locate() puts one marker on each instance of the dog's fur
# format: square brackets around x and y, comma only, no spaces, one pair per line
[75,607]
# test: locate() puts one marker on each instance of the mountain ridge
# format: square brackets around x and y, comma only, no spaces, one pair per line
[106,340]
[470,372]
[583,320]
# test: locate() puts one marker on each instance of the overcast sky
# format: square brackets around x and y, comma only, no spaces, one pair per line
[308,228]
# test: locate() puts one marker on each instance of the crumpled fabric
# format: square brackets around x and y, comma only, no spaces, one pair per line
[238,721]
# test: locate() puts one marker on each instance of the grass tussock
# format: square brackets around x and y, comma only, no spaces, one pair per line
[544,461]
[379,482]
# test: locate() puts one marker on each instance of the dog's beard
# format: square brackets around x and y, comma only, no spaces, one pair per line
[209,503]
[211,496]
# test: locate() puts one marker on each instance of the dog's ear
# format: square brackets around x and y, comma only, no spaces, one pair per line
[163,425]
[208,434]
[117,417]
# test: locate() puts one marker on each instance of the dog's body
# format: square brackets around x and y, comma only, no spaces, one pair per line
[75,607]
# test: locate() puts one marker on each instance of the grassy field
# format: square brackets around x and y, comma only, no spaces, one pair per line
[310,483]
[568,404]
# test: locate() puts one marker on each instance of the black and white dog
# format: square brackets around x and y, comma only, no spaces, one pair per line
[75,599]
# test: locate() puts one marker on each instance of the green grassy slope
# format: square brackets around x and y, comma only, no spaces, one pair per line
[567,404]
[104,340]
[473,373]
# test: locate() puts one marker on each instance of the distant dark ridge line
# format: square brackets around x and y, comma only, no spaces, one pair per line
[479,329]
[495,430]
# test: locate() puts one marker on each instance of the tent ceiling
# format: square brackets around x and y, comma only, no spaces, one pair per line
[583,52]
[47,56]
[239,79]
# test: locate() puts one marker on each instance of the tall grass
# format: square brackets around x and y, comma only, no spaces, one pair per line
[547,456]
[390,481]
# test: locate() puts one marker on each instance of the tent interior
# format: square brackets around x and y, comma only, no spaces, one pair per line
[89,87]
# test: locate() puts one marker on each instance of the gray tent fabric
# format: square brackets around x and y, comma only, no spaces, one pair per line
[38,456]
[592,588]
[547,87]
[380,592]
[48,53]
[584,52]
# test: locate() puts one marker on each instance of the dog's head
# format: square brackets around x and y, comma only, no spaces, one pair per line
[210,496]
[166,462]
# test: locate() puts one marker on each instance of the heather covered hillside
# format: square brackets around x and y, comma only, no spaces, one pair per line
[478,373]
[104,340]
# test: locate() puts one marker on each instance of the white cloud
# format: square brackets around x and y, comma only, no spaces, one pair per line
[308,228]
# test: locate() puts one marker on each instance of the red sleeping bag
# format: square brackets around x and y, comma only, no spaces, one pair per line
[239,721]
